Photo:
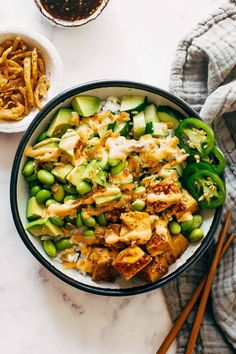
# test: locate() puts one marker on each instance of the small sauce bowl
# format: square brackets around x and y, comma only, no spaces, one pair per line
[67,22]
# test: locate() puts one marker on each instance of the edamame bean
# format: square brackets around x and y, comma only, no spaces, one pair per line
[79,221]
[101,219]
[113,162]
[43,195]
[69,189]
[51,201]
[49,248]
[59,195]
[84,187]
[196,222]
[115,170]
[70,197]
[88,233]
[196,235]
[45,177]
[174,227]
[88,220]
[63,244]
[138,205]
[32,178]
[28,168]
[42,136]
[186,225]
[56,220]
[34,190]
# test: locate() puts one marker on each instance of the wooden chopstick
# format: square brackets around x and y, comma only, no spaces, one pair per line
[207,289]
[188,308]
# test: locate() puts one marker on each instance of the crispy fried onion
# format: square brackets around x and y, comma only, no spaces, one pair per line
[23,83]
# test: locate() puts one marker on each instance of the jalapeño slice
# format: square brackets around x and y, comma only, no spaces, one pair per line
[207,188]
[216,159]
[195,136]
[194,167]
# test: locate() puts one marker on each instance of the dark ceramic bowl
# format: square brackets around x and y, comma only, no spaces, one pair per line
[19,191]
[70,24]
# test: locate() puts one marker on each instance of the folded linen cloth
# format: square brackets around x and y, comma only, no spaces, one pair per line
[204,75]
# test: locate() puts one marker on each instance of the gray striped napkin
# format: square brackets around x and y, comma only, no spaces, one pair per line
[204,75]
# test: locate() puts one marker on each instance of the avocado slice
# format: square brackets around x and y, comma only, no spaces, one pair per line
[43,227]
[60,122]
[107,198]
[75,175]
[34,210]
[68,142]
[90,172]
[60,172]
[99,175]
[86,106]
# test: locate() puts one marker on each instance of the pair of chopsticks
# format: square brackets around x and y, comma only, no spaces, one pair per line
[203,288]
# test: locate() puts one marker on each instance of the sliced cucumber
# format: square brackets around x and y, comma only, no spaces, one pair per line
[139,125]
[86,106]
[123,128]
[158,129]
[169,115]
[133,104]
[150,113]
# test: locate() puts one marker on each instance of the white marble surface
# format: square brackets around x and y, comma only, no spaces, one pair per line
[132,39]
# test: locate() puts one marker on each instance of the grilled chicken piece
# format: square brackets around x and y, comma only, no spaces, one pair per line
[184,209]
[161,241]
[162,195]
[84,265]
[101,258]
[180,245]
[155,269]
[136,227]
[130,261]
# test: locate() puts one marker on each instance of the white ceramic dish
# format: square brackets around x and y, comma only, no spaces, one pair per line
[19,191]
[54,70]
[70,24]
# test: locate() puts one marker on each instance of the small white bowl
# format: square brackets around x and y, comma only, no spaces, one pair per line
[70,24]
[54,70]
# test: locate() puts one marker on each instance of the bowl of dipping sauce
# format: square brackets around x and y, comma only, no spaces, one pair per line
[70,13]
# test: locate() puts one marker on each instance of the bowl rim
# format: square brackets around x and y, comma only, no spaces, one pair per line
[13,190]
[69,24]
